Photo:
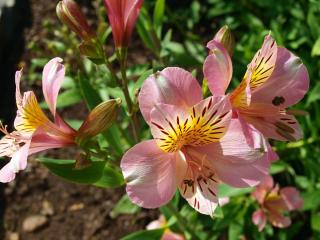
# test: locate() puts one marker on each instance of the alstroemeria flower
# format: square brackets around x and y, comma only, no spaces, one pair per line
[275,79]
[34,132]
[122,16]
[168,234]
[196,145]
[274,202]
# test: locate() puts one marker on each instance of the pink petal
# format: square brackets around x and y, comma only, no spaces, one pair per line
[259,219]
[281,126]
[236,162]
[17,163]
[173,86]
[42,141]
[278,220]
[263,188]
[204,123]
[19,158]
[159,223]
[291,197]
[168,235]
[263,63]
[289,81]
[122,16]
[272,155]
[197,182]
[131,13]
[18,91]
[7,146]
[217,68]
[150,174]
[53,76]
[7,174]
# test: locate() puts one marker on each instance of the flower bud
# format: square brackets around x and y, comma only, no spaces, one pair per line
[99,119]
[122,16]
[225,37]
[71,15]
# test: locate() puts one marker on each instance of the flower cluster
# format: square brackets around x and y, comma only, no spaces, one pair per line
[199,143]
[274,202]
[35,132]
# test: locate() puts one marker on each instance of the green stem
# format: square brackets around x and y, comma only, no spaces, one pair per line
[181,221]
[122,57]
[124,87]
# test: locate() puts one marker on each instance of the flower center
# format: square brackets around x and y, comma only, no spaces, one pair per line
[204,124]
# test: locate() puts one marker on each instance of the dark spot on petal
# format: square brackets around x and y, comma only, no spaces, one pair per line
[278,100]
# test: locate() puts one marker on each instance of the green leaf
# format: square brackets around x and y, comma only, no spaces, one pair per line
[159,13]
[144,26]
[227,191]
[91,96]
[315,222]
[145,235]
[65,169]
[218,213]
[311,200]
[67,98]
[316,48]
[235,231]
[111,178]
[124,206]
[314,95]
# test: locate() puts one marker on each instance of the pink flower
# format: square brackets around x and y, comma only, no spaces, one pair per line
[275,79]
[122,16]
[168,234]
[34,131]
[273,203]
[196,145]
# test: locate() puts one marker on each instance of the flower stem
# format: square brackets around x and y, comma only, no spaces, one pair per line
[122,57]
[124,87]
[181,221]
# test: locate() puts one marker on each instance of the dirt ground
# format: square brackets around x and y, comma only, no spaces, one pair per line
[61,210]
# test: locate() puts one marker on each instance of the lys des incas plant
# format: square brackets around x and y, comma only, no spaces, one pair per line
[35,132]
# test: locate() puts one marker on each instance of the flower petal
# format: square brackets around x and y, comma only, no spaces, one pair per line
[291,197]
[217,68]
[283,127]
[18,91]
[7,174]
[150,174]
[200,190]
[173,86]
[53,76]
[43,141]
[263,188]
[259,219]
[289,81]
[204,123]
[278,220]
[17,163]
[235,161]
[29,116]
[258,72]
[168,235]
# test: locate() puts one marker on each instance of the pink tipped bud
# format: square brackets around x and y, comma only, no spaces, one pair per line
[122,16]
[99,119]
[71,15]
[225,37]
